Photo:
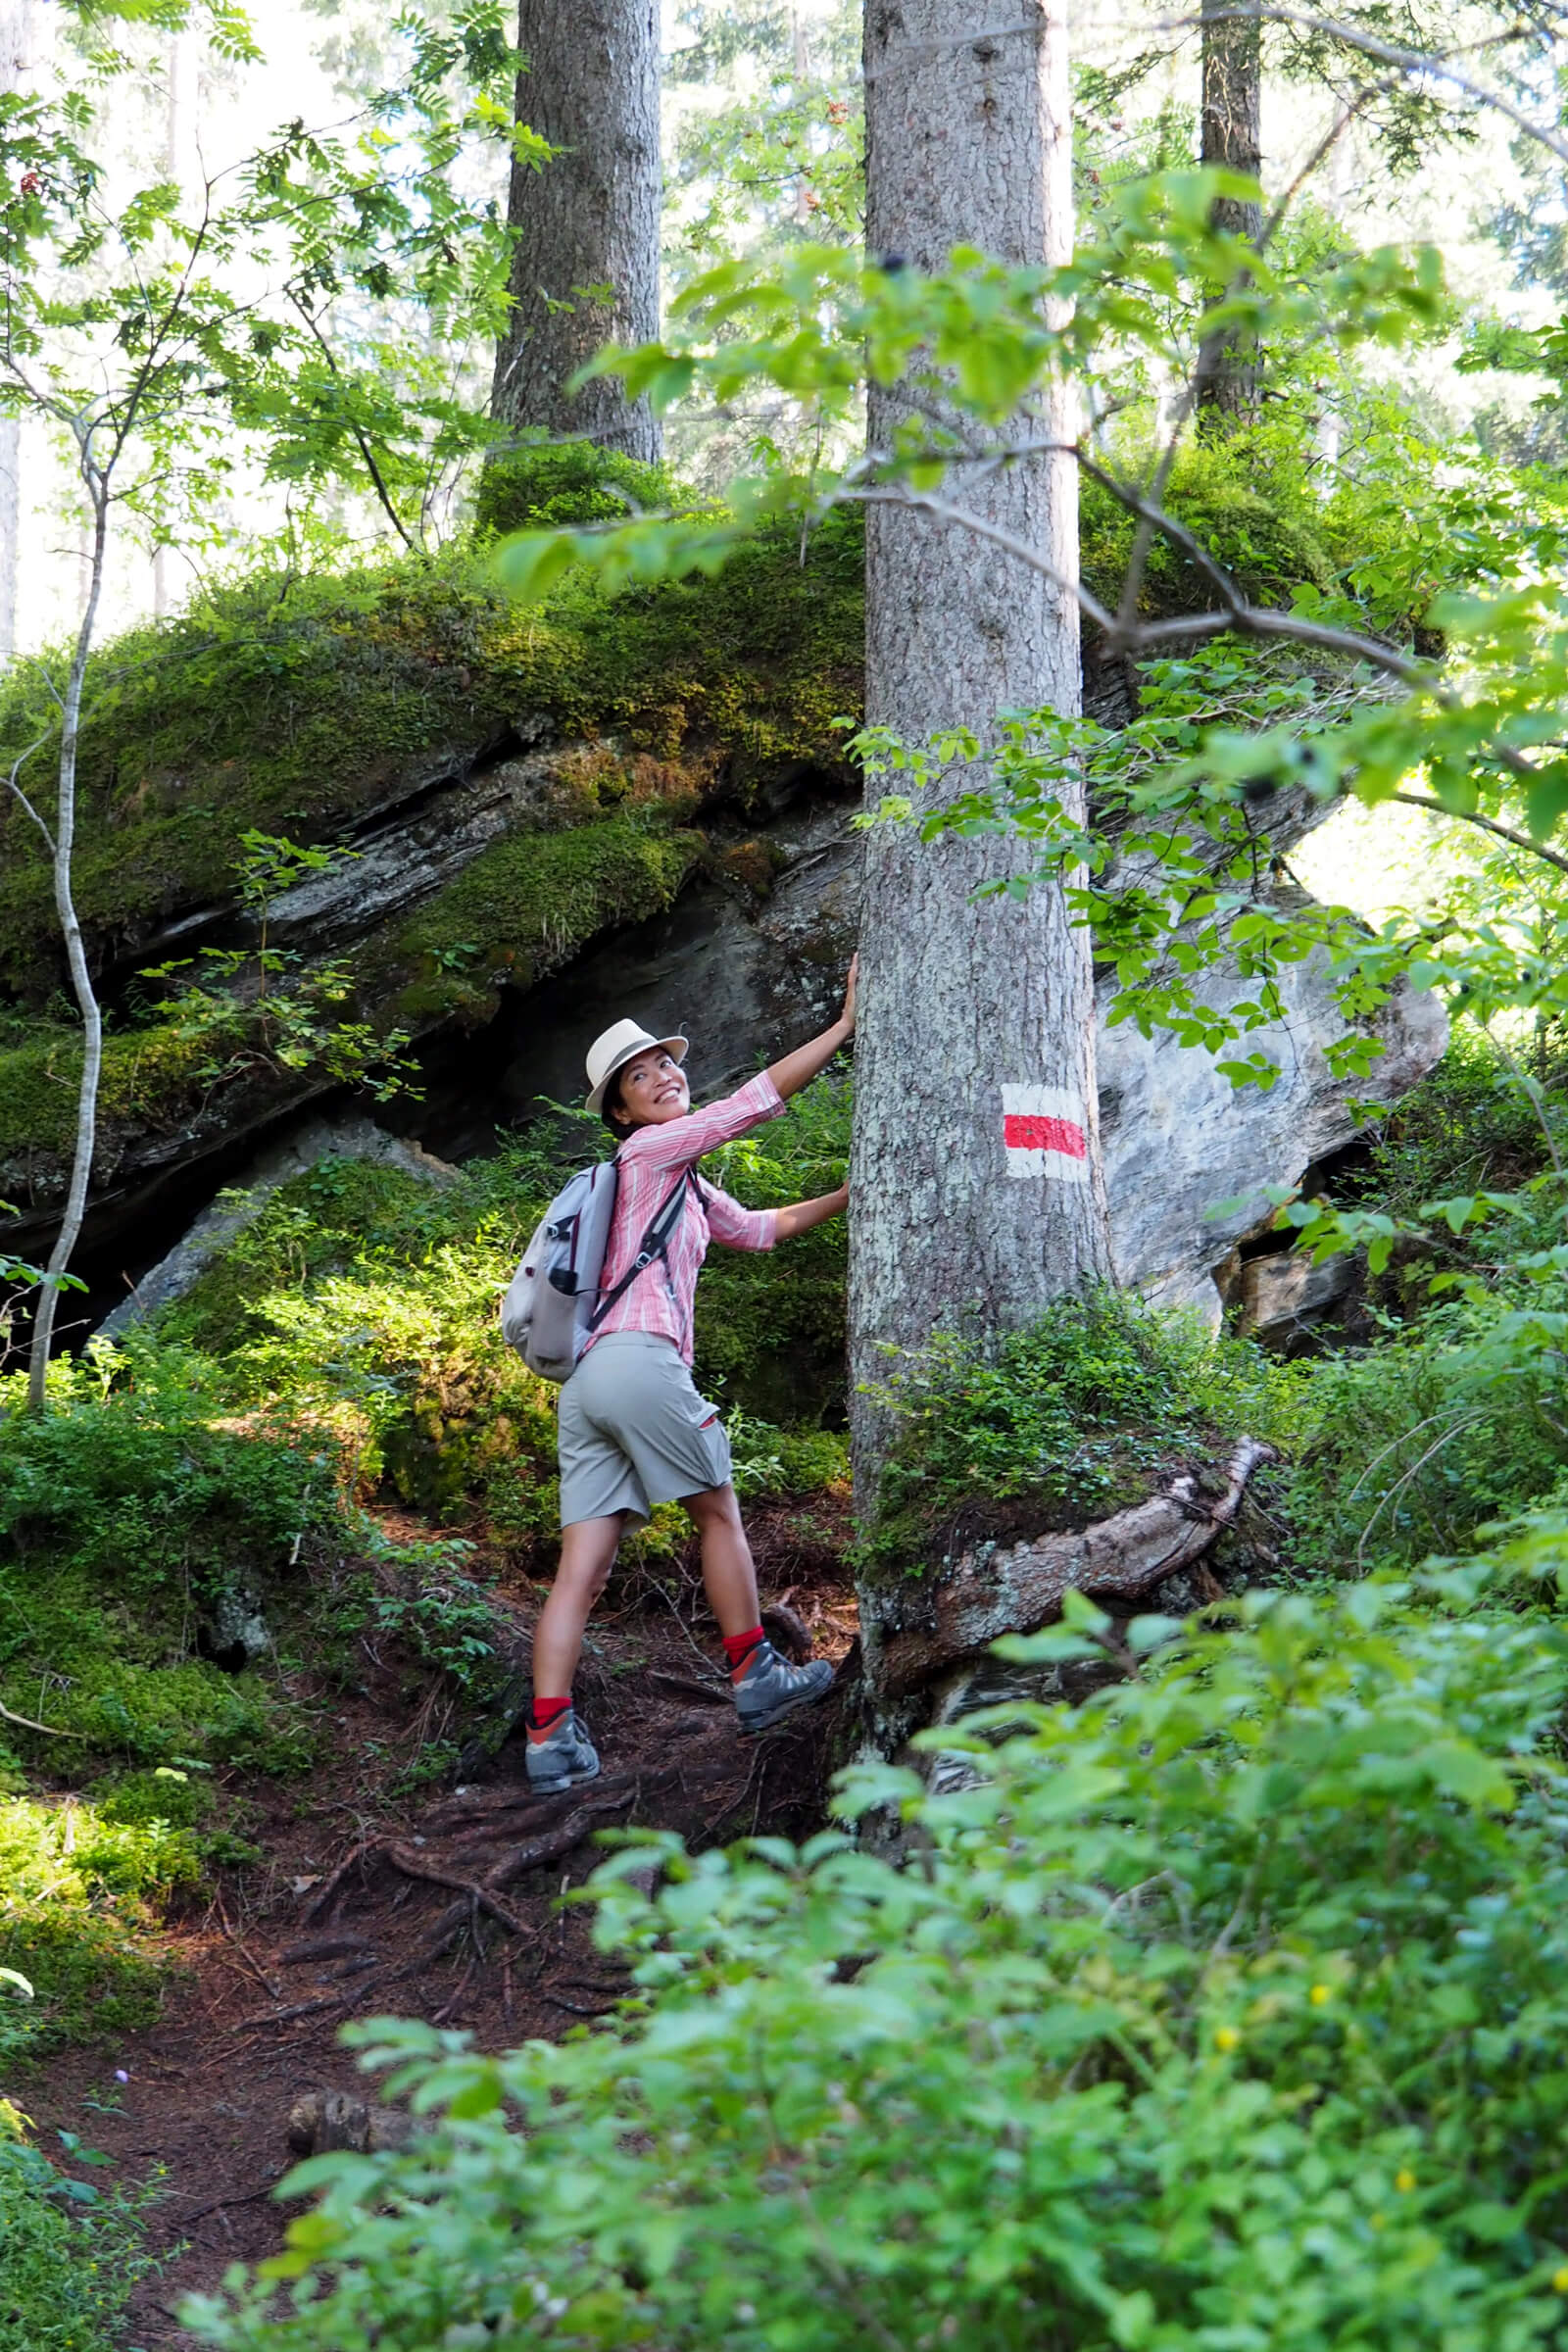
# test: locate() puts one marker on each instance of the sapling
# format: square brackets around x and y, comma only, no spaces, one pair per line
[163,339]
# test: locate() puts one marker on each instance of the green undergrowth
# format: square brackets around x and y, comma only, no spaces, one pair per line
[1223,2009]
[83,1896]
[1077,1416]
[361,1301]
[1456,1415]
[71,2249]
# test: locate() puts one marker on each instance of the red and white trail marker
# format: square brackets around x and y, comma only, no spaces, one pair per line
[1044,1134]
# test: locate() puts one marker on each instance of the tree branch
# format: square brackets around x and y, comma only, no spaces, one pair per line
[1488,825]
[36,743]
[360,443]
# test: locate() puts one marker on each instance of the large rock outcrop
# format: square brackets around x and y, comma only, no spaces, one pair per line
[621,806]
[751,957]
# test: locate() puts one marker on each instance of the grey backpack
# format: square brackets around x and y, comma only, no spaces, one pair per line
[553,1305]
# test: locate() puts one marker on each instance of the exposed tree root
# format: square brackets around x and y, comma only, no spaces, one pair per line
[1000,1590]
[474,1890]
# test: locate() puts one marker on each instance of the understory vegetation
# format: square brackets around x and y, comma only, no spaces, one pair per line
[1217,2005]
[1219,2010]
[237,1457]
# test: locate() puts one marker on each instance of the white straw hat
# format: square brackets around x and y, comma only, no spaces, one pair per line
[616,1047]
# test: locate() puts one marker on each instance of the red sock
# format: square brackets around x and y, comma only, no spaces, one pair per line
[737,1647]
[544,1711]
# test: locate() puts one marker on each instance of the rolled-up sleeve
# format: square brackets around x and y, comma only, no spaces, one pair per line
[676,1142]
[736,1227]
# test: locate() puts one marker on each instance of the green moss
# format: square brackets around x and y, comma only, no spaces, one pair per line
[1058,1425]
[1245,499]
[550,487]
[292,706]
[147,1074]
[534,899]
[81,1893]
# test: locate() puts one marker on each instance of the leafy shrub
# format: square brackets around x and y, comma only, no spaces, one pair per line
[441,1613]
[765,1461]
[770,1324]
[1458,1414]
[82,1891]
[122,1513]
[1220,2011]
[70,2254]
[362,1304]
[1416,1444]
[1078,1414]
[1469,1125]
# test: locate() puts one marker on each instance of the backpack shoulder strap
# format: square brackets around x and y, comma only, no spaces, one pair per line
[655,1244]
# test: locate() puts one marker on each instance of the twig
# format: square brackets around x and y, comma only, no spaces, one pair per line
[251,2197]
[281,2017]
[323,1895]
[1400,1484]
[52,1730]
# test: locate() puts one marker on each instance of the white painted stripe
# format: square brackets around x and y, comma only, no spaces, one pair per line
[1043,1103]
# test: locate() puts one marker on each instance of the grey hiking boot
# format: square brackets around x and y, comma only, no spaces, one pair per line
[769,1689]
[562,1756]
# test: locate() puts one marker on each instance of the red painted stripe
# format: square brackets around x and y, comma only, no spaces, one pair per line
[1022,1133]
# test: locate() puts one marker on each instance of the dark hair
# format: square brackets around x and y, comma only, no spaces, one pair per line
[609,1104]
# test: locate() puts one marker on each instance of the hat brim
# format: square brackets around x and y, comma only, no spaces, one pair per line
[677,1047]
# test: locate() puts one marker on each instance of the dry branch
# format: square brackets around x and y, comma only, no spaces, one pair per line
[51,1730]
[1016,1590]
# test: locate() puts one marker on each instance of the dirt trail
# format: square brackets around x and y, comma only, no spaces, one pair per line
[444,1906]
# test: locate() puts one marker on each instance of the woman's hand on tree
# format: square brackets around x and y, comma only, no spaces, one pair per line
[848,1014]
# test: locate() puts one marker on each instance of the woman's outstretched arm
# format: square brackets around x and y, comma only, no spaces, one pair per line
[799,1068]
[802,1215]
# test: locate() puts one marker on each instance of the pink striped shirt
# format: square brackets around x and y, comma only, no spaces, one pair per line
[652,1160]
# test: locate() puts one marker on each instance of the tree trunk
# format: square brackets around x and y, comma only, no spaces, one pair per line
[64,833]
[1228,373]
[15,58]
[977,1185]
[586,266]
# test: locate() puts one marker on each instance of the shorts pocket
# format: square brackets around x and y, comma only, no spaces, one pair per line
[714,1438]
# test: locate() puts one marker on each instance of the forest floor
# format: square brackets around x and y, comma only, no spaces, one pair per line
[443,1904]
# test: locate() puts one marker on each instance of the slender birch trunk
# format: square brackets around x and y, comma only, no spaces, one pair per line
[64,833]
[15,58]
[977,1186]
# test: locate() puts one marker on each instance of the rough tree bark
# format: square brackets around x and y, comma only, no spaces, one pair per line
[976,1179]
[586,266]
[1231,115]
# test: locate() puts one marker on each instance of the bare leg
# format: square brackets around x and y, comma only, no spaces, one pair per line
[728,1575]
[588,1550]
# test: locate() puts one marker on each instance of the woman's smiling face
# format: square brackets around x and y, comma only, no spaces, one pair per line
[653,1089]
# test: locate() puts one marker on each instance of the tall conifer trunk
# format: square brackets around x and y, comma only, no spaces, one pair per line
[586,268]
[976,1179]
[1232,134]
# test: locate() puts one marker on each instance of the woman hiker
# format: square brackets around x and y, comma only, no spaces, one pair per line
[633,1431]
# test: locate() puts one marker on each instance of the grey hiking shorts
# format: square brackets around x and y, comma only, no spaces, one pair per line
[634,1431]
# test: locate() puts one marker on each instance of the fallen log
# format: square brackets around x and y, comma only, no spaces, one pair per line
[1016,1588]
